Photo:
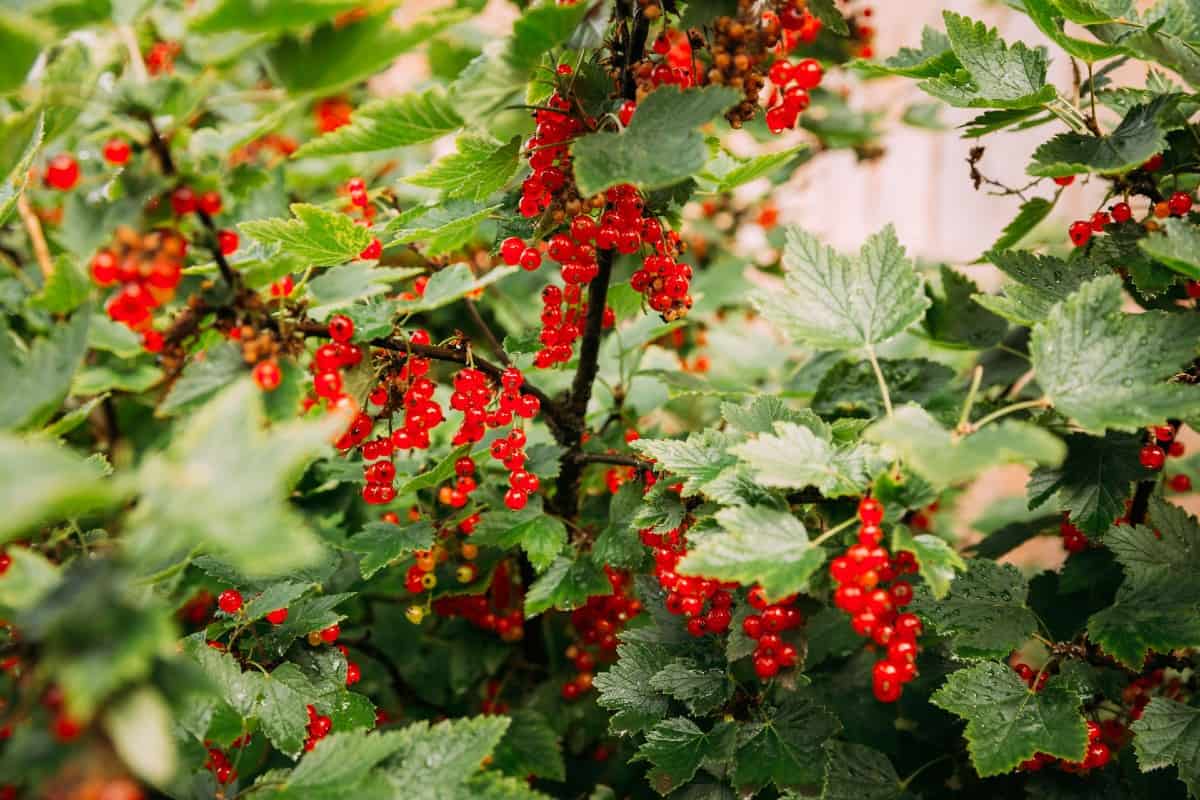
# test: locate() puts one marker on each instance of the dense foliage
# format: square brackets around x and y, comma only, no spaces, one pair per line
[491,441]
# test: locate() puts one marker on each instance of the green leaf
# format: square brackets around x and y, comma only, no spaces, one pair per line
[480,167]
[29,578]
[699,459]
[625,688]
[530,747]
[1176,244]
[140,727]
[661,145]
[827,12]
[222,483]
[312,235]
[984,615]
[541,29]
[491,785]
[21,41]
[703,691]
[1093,12]
[756,545]
[381,543]
[618,544]
[340,288]
[276,596]
[385,124]
[267,16]
[1119,251]
[676,748]
[66,289]
[1157,606]
[797,456]
[205,375]
[566,585]
[934,58]
[936,560]
[443,755]
[42,482]
[855,772]
[18,175]
[833,302]
[438,473]
[452,284]
[1047,17]
[36,378]
[1138,137]
[111,374]
[281,708]
[850,388]
[1168,735]
[727,172]
[1094,480]
[442,227]
[956,319]
[1038,282]
[113,337]
[783,746]
[341,758]
[1007,722]
[1107,369]
[1032,213]
[944,458]
[540,535]
[994,75]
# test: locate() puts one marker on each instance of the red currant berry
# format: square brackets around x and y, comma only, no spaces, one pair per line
[227,241]
[808,73]
[530,259]
[116,151]
[1121,212]
[511,250]
[230,601]
[341,328]
[353,673]
[278,616]
[1153,163]
[1179,203]
[267,375]
[62,172]
[1180,483]
[1099,220]
[1164,433]
[372,251]
[209,202]
[329,635]
[1065,180]
[1080,232]
[183,201]
[870,511]
[516,499]
[1152,457]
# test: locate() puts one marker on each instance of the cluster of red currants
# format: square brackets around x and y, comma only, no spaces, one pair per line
[798,24]
[496,610]
[688,596]
[597,623]
[549,157]
[1154,455]
[219,765]
[791,84]
[356,188]
[319,727]
[771,653]
[148,268]
[560,329]
[510,451]
[474,393]
[875,611]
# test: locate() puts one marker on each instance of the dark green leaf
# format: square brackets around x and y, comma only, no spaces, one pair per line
[530,747]
[381,543]
[566,585]
[784,744]
[540,535]
[625,688]
[1094,480]
[1168,734]
[984,615]
[1138,137]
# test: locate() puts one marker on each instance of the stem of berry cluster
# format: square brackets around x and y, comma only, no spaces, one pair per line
[162,151]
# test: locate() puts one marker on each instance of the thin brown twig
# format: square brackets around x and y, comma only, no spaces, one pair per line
[36,237]
[488,335]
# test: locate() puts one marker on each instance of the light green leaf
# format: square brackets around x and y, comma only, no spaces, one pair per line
[944,458]
[113,337]
[541,29]
[341,758]
[21,40]
[313,234]
[994,75]
[727,172]
[831,18]
[112,374]
[1168,735]
[17,177]
[480,167]
[1032,213]
[42,482]
[66,288]
[381,543]
[442,227]
[223,483]
[566,585]
[1048,19]
[661,145]
[937,561]
[833,302]
[797,456]
[452,284]
[340,287]
[540,535]
[29,578]
[757,545]
[36,378]
[1138,137]
[438,473]
[984,615]
[140,727]
[1176,244]
[1007,722]
[385,124]
[934,58]
[1108,369]
[699,459]
[618,544]
[267,16]
[446,753]
[281,708]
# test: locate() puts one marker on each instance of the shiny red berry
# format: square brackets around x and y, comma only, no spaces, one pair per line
[278,616]
[230,601]
[183,201]
[341,328]
[1152,457]
[209,202]
[267,375]
[116,151]
[1121,212]
[1080,232]
[227,240]
[62,172]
